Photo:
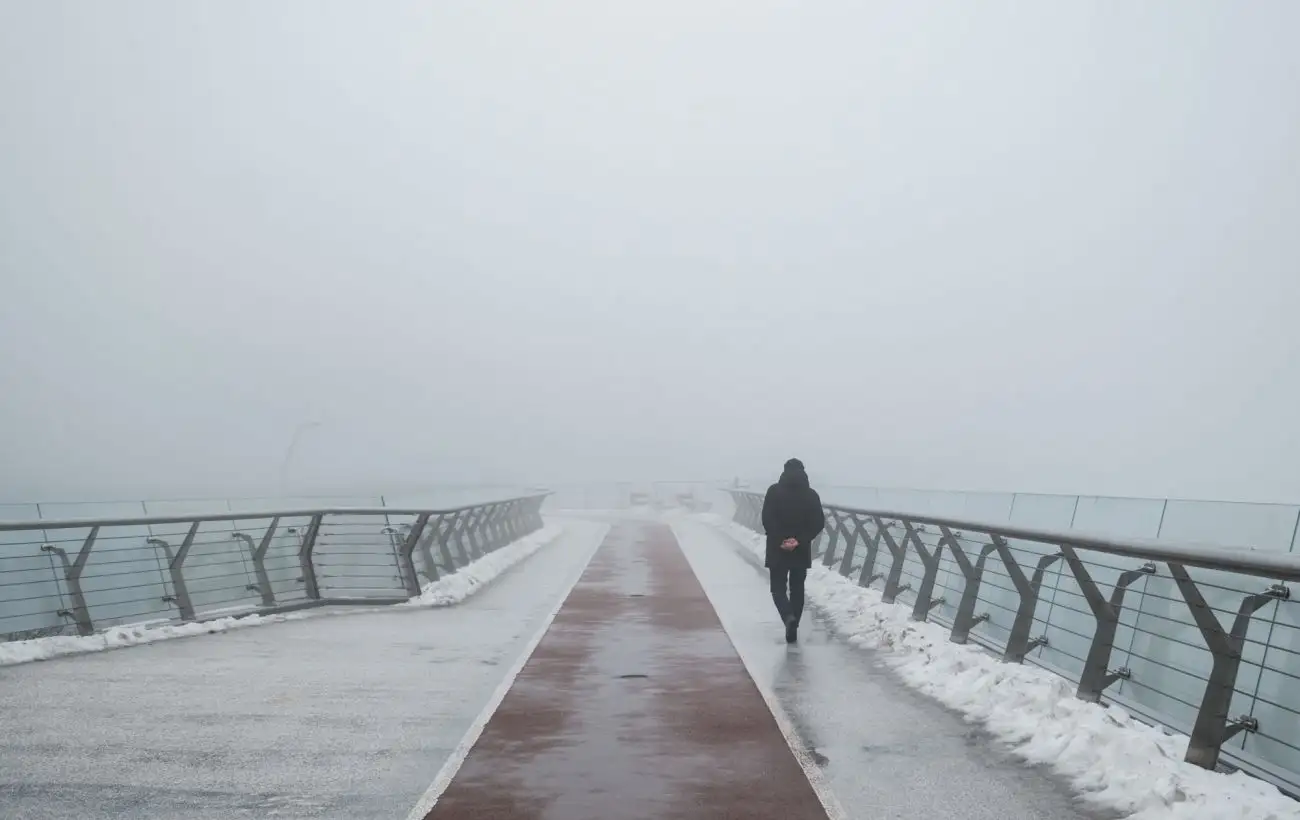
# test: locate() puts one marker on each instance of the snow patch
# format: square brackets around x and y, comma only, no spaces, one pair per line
[455,588]
[1111,758]
[39,649]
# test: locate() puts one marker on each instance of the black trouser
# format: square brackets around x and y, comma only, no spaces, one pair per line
[792,604]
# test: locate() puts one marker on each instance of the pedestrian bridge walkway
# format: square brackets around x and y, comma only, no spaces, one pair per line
[633,667]
[636,700]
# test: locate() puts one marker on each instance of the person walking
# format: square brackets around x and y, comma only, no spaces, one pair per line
[792,518]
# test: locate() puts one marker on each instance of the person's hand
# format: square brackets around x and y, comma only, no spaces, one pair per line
[789,543]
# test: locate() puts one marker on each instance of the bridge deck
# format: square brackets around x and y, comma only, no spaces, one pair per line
[355,715]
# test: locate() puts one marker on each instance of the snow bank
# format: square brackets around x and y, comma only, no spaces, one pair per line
[449,590]
[1114,760]
[455,588]
[39,649]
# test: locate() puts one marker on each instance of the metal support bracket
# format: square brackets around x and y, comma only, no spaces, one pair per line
[487,530]
[899,552]
[510,522]
[1212,727]
[405,555]
[446,529]
[1242,723]
[80,612]
[497,519]
[851,540]
[425,546]
[868,575]
[1096,677]
[463,544]
[925,600]
[472,535]
[1018,644]
[1113,675]
[306,557]
[965,619]
[831,535]
[175,569]
[258,556]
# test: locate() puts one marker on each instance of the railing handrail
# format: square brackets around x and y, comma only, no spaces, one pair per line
[317,555]
[143,520]
[1238,559]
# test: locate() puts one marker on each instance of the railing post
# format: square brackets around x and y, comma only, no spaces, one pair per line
[496,522]
[446,529]
[966,619]
[306,557]
[80,613]
[899,552]
[1096,675]
[407,553]
[487,533]
[850,544]
[463,539]
[868,575]
[511,521]
[258,555]
[176,568]
[1019,644]
[474,533]
[924,603]
[491,530]
[426,552]
[832,536]
[1213,728]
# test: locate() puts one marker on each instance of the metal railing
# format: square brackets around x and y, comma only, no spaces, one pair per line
[75,576]
[1185,656]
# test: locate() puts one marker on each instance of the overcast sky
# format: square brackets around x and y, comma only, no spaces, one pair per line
[1049,246]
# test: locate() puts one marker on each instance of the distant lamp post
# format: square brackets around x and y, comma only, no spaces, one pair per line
[298,432]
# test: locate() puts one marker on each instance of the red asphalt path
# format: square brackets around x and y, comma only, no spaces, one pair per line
[633,705]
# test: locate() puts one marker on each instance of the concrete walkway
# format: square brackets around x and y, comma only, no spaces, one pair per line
[333,716]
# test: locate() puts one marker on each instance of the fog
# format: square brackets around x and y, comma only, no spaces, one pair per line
[1040,247]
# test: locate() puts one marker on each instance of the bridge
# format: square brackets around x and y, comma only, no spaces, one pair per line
[572,654]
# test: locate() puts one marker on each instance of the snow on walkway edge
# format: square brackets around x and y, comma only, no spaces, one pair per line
[447,591]
[1111,758]
[455,588]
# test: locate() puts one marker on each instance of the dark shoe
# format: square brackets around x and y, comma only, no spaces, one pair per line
[791,630]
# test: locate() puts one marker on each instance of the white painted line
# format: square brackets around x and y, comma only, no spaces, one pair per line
[816,778]
[457,758]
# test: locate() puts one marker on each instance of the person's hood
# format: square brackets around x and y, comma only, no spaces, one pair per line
[794,475]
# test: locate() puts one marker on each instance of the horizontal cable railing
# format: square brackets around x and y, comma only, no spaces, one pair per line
[79,575]
[1202,639]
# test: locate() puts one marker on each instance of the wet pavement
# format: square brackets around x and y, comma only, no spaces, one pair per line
[336,716]
[633,705]
[884,750]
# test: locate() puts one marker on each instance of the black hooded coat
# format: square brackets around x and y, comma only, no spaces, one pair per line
[792,509]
